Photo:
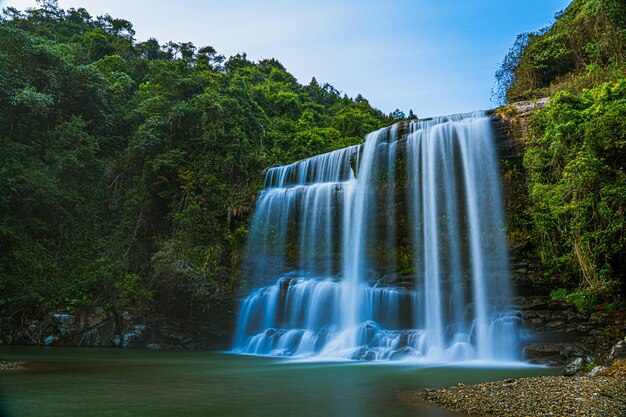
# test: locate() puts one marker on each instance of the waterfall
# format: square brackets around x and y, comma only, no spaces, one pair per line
[393,249]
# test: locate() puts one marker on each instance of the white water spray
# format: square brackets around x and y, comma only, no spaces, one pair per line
[329,233]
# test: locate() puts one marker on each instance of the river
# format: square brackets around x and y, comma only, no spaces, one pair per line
[109,382]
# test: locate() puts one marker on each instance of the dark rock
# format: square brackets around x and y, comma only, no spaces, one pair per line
[553,353]
[368,331]
[116,340]
[542,349]
[50,340]
[575,367]
[360,353]
[64,322]
[165,346]
[596,371]
[136,338]
[402,353]
[370,355]
[545,362]
[618,351]
[186,340]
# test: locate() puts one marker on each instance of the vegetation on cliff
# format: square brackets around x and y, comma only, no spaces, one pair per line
[127,167]
[584,47]
[575,156]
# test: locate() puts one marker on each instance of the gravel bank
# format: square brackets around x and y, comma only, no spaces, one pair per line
[599,396]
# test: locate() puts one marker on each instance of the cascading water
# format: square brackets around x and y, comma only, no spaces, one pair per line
[392,249]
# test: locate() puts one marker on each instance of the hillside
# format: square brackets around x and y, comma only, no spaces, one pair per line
[570,208]
[128,168]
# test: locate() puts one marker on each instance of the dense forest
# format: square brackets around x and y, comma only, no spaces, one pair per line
[128,168]
[574,166]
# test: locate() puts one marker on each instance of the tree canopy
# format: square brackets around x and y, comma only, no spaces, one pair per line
[128,168]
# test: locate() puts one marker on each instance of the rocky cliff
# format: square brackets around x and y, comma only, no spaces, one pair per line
[555,331]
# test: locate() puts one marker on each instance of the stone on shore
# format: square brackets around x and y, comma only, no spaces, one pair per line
[599,396]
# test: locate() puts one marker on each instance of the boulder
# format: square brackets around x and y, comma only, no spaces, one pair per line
[116,340]
[402,353]
[135,338]
[370,355]
[596,371]
[360,353]
[64,322]
[618,351]
[50,340]
[575,367]
[553,353]
[368,331]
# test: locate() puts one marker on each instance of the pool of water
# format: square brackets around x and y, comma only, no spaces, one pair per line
[108,382]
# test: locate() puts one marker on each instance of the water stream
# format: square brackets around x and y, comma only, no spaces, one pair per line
[394,249]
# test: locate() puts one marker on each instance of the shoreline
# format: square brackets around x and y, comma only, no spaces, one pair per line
[603,395]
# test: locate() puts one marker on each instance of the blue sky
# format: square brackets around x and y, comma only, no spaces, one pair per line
[435,57]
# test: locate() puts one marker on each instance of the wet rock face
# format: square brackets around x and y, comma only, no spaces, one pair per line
[129,328]
[510,125]
[402,353]
[554,354]
[87,327]
[558,333]
[527,107]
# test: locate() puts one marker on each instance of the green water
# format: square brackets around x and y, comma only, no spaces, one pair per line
[107,382]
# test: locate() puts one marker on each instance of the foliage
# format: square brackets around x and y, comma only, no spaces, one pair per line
[575,148]
[584,300]
[585,45]
[558,294]
[128,168]
[575,162]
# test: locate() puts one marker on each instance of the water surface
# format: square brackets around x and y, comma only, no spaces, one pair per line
[109,382]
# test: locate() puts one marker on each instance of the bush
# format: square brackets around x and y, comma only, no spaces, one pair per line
[585,301]
[558,294]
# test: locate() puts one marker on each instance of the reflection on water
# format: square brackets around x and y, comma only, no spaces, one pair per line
[107,382]
[3,410]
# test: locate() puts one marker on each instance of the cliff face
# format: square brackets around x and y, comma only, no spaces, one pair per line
[557,331]
[511,124]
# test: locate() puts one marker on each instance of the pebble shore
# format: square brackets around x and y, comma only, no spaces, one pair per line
[603,395]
